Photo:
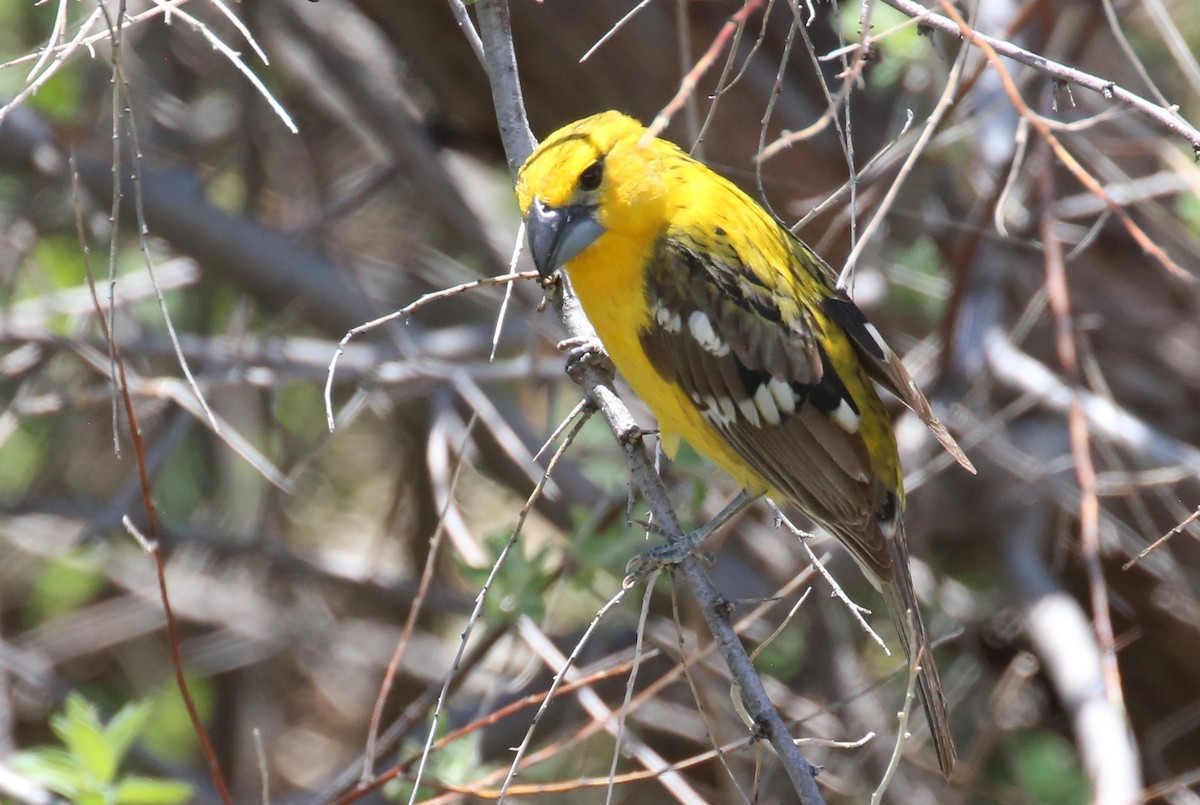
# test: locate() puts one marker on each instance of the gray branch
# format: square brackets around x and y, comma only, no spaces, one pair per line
[496,33]
[1168,116]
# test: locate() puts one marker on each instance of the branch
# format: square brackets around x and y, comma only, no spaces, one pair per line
[1168,116]
[495,30]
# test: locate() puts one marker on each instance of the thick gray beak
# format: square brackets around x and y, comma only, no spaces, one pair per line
[557,235]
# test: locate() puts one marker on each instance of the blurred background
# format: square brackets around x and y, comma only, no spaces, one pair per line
[294,556]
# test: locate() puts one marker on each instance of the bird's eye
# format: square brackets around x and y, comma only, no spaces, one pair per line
[592,176]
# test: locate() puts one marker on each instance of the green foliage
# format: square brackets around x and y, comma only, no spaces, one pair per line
[181,483]
[456,763]
[783,654]
[920,285]
[60,96]
[63,585]
[22,456]
[86,770]
[1187,207]
[169,733]
[59,262]
[605,551]
[1048,770]
[227,190]
[605,464]
[520,584]
[895,54]
[299,407]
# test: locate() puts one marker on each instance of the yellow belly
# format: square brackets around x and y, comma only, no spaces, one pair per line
[613,295]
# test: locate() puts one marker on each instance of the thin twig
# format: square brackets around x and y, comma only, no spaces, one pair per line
[468,29]
[144,245]
[264,769]
[1167,116]
[944,104]
[687,87]
[1175,41]
[424,299]
[508,290]
[1085,471]
[410,621]
[153,544]
[559,676]
[631,682]
[902,734]
[856,610]
[480,599]
[235,58]
[722,85]
[611,32]
[866,169]
[776,91]
[1158,543]
[1069,162]
[701,710]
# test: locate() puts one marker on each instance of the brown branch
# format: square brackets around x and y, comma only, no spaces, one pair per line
[502,73]
[1167,116]
[1039,123]
[688,85]
[154,547]
[1107,776]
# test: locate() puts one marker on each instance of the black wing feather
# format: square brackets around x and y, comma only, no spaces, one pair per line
[805,454]
[886,369]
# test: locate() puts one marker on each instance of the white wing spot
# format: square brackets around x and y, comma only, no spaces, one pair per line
[702,330]
[728,409]
[784,396]
[719,412]
[845,417]
[749,411]
[879,342]
[767,403]
[667,319]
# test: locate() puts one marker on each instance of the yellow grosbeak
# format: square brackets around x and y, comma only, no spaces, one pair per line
[730,330]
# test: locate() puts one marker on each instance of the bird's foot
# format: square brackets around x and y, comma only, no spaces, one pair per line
[584,351]
[670,554]
[691,544]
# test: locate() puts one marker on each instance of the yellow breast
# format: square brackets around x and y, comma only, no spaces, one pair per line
[610,282]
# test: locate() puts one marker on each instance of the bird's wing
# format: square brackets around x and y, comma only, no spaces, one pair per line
[886,369]
[763,380]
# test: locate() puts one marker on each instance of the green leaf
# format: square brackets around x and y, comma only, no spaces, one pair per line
[169,733]
[1048,769]
[53,768]
[64,585]
[299,407]
[79,728]
[59,97]
[126,726]
[151,791]
[22,457]
[519,585]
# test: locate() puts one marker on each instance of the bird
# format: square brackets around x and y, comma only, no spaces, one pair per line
[735,335]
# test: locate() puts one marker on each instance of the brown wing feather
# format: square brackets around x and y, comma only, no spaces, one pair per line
[804,454]
[886,369]
[725,358]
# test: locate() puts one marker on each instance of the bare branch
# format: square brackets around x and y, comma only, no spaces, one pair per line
[1167,116]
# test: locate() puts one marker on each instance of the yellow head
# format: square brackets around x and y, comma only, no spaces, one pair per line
[589,178]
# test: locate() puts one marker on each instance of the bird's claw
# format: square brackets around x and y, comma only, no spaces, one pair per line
[666,556]
[584,351]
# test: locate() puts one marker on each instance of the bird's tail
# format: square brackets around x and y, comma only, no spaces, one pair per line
[902,605]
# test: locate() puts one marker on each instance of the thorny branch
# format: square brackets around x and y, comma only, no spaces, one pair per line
[495,29]
[1167,116]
